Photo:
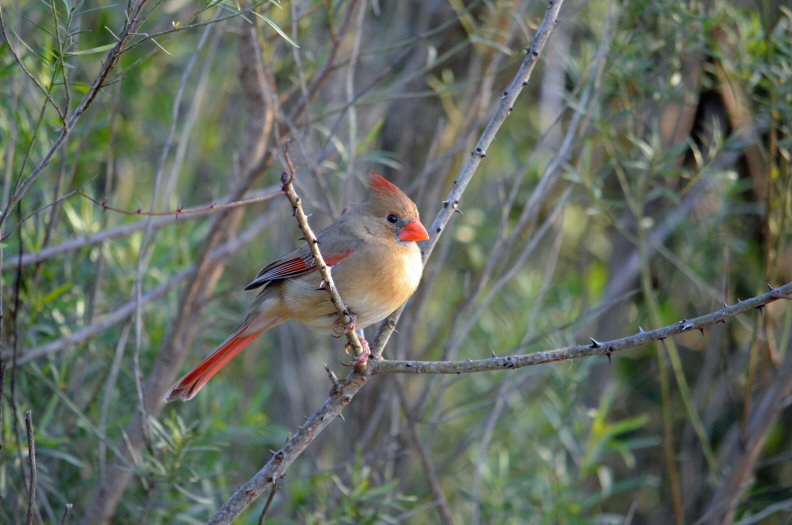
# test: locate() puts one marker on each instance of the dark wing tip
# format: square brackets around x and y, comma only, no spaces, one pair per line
[255,283]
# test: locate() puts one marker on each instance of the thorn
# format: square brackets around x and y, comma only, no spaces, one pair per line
[722,321]
[439,229]
[761,308]
[212,206]
[509,111]
[725,305]
[594,343]
[685,324]
[641,330]
[536,54]
[332,376]
[505,94]
[493,354]
[702,331]
[769,287]
[608,354]
[341,416]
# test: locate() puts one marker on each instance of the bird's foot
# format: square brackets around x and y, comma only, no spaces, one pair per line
[361,360]
[342,327]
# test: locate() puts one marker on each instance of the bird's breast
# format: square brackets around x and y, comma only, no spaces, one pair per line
[372,282]
[379,283]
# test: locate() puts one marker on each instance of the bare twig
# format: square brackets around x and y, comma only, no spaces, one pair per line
[604,348]
[181,212]
[302,220]
[267,505]
[66,513]
[167,219]
[32,463]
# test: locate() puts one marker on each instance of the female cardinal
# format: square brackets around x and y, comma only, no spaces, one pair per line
[376,267]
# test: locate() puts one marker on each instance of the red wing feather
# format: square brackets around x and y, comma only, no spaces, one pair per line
[294,267]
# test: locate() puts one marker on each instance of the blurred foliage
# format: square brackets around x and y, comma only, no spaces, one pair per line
[662,209]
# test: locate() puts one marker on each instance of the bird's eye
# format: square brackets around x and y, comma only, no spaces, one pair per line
[392,218]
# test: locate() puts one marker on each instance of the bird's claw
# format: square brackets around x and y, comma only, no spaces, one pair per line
[342,327]
[360,360]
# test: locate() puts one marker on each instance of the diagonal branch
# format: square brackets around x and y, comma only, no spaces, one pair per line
[287,179]
[504,109]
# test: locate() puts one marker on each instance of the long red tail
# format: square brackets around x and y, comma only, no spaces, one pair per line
[189,385]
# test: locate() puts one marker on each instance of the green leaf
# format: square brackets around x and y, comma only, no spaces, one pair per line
[93,50]
[280,31]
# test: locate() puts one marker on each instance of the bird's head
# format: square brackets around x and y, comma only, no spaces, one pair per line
[395,212]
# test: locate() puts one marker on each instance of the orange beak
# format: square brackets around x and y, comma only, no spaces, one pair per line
[413,231]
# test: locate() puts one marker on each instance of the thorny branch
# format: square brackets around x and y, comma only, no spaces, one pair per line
[606,348]
[181,211]
[163,219]
[504,109]
[327,279]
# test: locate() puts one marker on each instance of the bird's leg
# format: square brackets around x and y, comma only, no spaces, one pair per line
[342,327]
[361,360]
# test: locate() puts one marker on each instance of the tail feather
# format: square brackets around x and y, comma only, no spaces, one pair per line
[189,385]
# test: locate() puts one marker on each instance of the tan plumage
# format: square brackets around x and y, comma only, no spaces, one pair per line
[376,266]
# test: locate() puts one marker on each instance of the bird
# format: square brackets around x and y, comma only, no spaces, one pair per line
[376,266]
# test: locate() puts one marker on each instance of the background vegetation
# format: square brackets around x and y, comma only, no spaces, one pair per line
[643,177]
